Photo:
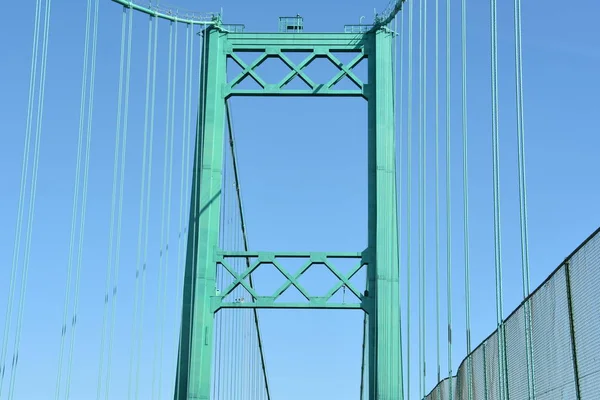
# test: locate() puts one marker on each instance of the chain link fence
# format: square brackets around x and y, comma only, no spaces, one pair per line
[565,341]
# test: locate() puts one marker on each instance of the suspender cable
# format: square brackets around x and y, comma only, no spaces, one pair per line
[136,338]
[448,203]
[148,127]
[496,201]
[32,194]
[409,192]
[24,176]
[121,195]
[437,194]
[118,181]
[423,201]
[168,210]
[75,208]
[466,200]
[113,209]
[166,198]
[85,193]
[420,206]
[523,197]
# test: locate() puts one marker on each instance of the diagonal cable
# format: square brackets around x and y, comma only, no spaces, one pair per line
[245,242]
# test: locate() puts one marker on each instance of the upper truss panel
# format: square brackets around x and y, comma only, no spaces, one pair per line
[314,46]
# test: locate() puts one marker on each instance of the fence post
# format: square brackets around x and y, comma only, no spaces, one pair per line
[485,385]
[572,329]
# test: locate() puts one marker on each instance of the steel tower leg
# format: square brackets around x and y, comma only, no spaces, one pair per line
[196,340]
[384,302]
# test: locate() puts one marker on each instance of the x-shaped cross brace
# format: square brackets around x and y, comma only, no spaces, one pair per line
[240,279]
[249,70]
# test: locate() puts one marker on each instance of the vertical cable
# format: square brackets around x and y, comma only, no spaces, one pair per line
[423,203]
[32,195]
[437,194]
[140,273]
[523,196]
[420,205]
[75,208]
[409,192]
[448,202]
[163,239]
[24,175]
[496,201]
[113,207]
[120,208]
[165,274]
[466,199]
[85,194]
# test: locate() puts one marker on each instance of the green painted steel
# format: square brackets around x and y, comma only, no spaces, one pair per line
[387,16]
[380,302]
[315,46]
[174,16]
[383,302]
[270,301]
[194,364]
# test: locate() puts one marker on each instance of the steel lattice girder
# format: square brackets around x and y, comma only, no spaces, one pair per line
[314,45]
[262,258]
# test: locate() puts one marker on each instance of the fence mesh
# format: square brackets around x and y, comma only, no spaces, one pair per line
[565,341]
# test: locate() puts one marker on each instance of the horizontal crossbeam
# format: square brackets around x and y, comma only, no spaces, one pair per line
[270,301]
[263,303]
[295,41]
[272,90]
[314,256]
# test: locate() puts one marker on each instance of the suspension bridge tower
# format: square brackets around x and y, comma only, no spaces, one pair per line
[380,301]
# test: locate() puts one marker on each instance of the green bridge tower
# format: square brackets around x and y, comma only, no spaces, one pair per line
[380,301]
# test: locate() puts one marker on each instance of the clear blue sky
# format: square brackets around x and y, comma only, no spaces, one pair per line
[303,171]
